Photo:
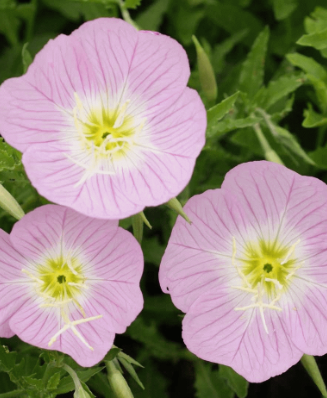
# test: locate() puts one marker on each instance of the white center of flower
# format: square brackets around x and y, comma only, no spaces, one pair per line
[266,270]
[60,283]
[106,137]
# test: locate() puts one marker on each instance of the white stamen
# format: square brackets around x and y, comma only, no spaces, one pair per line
[24,271]
[290,252]
[121,115]
[275,282]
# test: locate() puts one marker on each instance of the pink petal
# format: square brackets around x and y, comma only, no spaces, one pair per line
[304,316]
[107,62]
[214,331]
[278,202]
[11,265]
[37,326]
[198,256]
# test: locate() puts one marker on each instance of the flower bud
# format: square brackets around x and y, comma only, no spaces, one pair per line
[9,204]
[206,72]
[117,381]
[174,204]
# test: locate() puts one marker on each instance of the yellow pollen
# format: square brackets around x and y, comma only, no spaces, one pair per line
[60,283]
[106,137]
[265,271]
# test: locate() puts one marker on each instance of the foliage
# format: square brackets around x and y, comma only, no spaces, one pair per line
[269,61]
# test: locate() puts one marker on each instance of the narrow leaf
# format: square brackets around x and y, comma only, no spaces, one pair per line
[236,382]
[127,365]
[251,77]
[208,383]
[53,382]
[218,111]
[279,88]
[27,58]
[132,3]
[67,384]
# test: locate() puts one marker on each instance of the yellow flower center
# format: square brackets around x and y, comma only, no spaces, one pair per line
[59,283]
[266,269]
[106,136]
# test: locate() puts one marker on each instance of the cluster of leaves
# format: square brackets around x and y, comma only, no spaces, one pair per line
[269,60]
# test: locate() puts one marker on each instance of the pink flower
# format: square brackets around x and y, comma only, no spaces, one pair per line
[69,282]
[251,271]
[104,119]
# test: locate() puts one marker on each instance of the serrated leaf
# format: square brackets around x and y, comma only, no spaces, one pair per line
[225,126]
[283,8]
[252,73]
[37,383]
[53,382]
[132,3]
[7,359]
[317,40]
[278,89]
[66,384]
[218,111]
[208,382]
[236,382]
[308,65]
[312,118]
[127,365]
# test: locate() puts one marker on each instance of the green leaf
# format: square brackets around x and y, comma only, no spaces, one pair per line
[236,382]
[99,383]
[308,65]
[66,384]
[283,8]
[127,365]
[208,382]
[233,19]
[288,141]
[127,358]
[112,354]
[317,22]
[227,125]
[319,156]
[154,342]
[27,58]
[251,77]
[317,40]
[154,382]
[218,111]
[278,89]
[53,382]
[312,118]
[132,3]
[321,92]
[7,359]
[221,50]
[151,18]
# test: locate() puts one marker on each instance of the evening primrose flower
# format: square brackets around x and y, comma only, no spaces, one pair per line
[104,119]
[251,271]
[69,282]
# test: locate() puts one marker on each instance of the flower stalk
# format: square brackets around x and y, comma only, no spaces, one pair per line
[310,365]
[269,153]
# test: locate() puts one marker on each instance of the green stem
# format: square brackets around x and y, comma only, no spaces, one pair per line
[310,365]
[269,153]
[125,14]
[15,393]
[73,375]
